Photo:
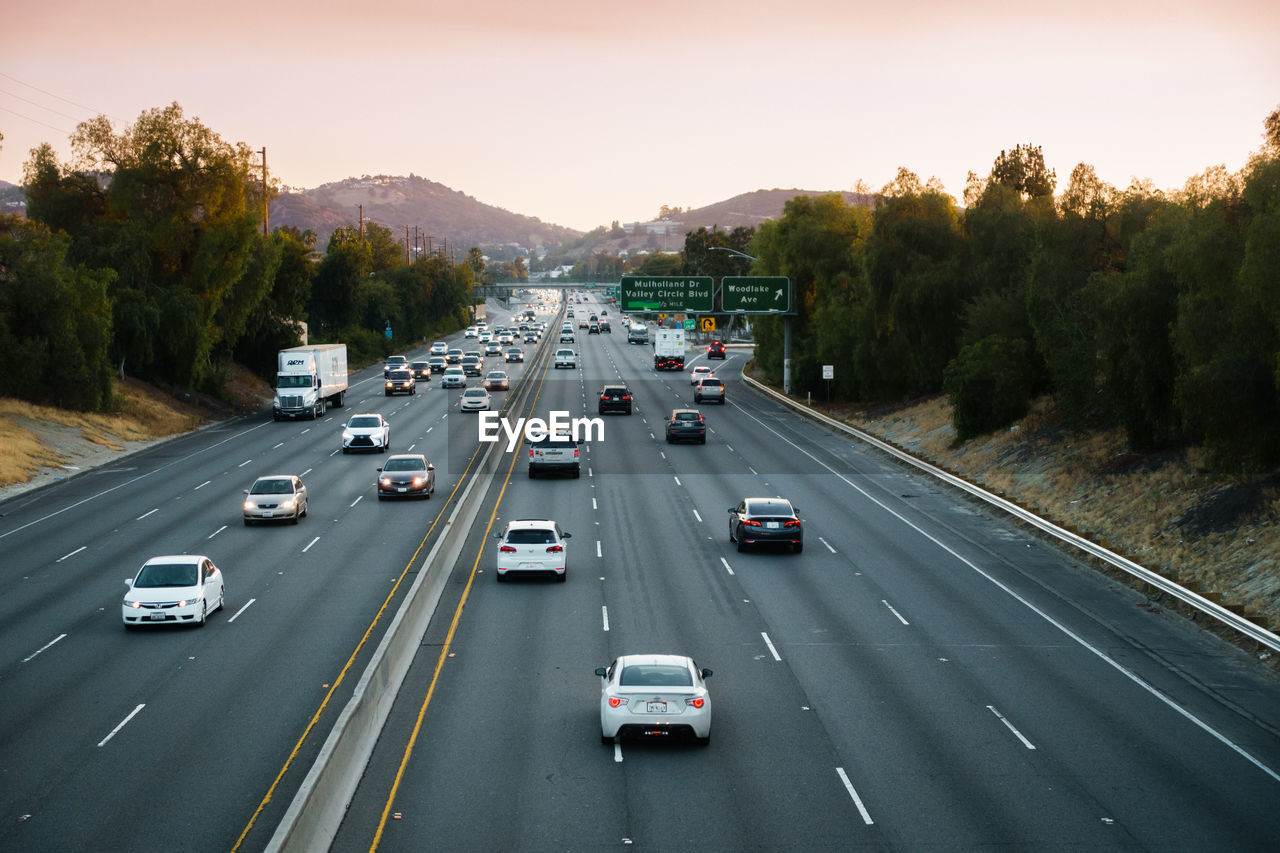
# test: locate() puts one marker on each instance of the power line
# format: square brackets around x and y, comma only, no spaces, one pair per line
[59,97]
[36,121]
[37,104]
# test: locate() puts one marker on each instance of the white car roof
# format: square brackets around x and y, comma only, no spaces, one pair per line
[177,558]
[531,524]
[655,660]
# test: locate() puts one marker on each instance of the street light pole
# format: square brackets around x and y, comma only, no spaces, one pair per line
[786,324]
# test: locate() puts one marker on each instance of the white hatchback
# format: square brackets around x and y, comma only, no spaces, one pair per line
[182,589]
[654,696]
[532,545]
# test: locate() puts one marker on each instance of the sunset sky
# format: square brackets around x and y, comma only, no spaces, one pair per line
[581,112]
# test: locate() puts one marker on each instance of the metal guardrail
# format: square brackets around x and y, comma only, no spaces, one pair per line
[1232,620]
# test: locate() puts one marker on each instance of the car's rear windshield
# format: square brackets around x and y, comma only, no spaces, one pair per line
[711,383]
[688,416]
[404,465]
[770,508]
[531,537]
[555,441]
[656,675]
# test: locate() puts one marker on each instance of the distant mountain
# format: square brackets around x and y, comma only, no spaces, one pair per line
[395,202]
[750,209]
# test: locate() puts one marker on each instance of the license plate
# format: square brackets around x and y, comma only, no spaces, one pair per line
[655,707]
[402,489]
[267,513]
[156,617]
[772,525]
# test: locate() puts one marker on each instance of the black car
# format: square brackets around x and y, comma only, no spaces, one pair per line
[421,370]
[401,382]
[757,521]
[593,329]
[472,365]
[715,350]
[394,362]
[615,398]
[406,475]
[686,425]
[604,327]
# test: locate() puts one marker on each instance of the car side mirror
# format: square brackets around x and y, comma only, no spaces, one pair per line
[379,470]
[128,582]
[566,535]
[602,672]
[497,536]
[730,510]
[706,673]
[431,467]
[246,491]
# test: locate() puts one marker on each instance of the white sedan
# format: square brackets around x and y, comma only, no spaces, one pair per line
[654,696]
[474,400]
[700,373]
[532,545]
[366,432]
[177,590]
[439,348]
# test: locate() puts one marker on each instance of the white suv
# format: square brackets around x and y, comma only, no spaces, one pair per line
[532,545]
[566,358]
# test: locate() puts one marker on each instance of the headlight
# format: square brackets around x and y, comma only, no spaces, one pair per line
[250,505]
[418,481]
[134,604]
[346,436]
[386,481]
[288,504]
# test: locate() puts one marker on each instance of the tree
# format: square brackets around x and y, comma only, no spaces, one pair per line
[1023,170]
[988,386]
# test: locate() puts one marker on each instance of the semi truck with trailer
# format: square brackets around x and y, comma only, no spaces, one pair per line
[309,379]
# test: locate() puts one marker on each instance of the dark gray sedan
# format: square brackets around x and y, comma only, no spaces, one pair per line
[760,521]
[406,475]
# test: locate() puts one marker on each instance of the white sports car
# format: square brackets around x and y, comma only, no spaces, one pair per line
[654,696]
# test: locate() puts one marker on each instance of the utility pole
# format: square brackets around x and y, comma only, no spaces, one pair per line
[428,236]
[265,215]
[362,223]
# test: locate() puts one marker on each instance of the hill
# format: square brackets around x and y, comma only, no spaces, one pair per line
[750,209]
[396,202]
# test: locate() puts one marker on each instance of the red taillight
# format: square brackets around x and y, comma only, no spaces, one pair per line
[696,702]
[792,523]
[615,702]
[507,549]
[530,452]
[749,523]
[553,549]
[626,396]
[604,396]
[575,453]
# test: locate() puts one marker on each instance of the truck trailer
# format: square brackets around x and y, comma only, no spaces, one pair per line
[668,349]
[309,379]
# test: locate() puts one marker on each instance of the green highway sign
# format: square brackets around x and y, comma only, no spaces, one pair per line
[689,323]
[755,294]
[676,294]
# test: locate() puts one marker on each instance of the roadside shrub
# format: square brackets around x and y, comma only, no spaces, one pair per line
[989,385]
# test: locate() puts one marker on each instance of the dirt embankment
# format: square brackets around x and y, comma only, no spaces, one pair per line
[41,444]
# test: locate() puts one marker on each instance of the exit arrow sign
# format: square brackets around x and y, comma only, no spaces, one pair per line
[760,294]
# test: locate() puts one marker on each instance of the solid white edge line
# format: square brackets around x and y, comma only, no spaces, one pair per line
[1028,744]
[309,544]
[241,610]
[123,723]
[895,613]
[604,614]
[769,643]
[828,544]
[726,565]
[857,801]
[1127,673]
[42,648]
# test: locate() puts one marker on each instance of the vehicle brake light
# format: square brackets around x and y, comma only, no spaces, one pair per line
[507,549]
[696,702]
[749,523]
[554,549]
[792,523]
[615,701]
[626,396]
[530,452]
[604,396]
[576,452]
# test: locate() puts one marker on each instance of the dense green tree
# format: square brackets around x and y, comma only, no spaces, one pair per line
[55,320]
[346,263]
[988,385]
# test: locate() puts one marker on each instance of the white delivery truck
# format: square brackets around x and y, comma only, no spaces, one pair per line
[308,379]
[668,349]
[637,333]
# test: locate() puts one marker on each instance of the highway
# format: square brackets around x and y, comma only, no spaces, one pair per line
[924,675]
[144,740]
